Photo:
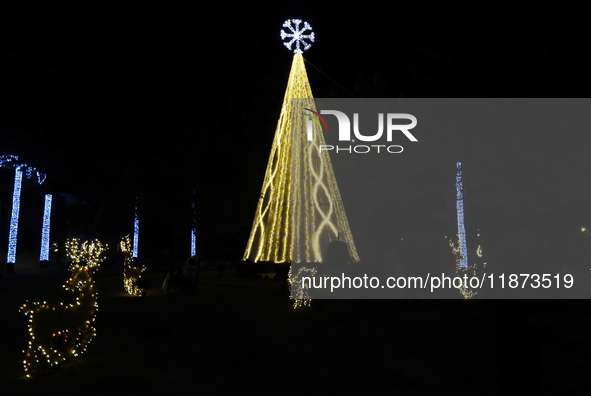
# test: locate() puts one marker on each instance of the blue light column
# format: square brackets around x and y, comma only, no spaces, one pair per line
[460,213]
[193,242]
[136,232]
[193,229]
[16,204]
[44,256]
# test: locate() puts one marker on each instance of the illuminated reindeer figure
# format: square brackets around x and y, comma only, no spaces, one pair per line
[61,332]
[131,273]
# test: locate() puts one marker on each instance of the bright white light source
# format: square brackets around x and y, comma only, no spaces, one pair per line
[297,36]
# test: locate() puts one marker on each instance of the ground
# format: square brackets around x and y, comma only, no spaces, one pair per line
[243,336]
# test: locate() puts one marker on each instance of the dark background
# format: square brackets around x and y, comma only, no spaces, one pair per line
[154,100]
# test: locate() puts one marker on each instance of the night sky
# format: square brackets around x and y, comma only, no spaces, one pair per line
[153,100]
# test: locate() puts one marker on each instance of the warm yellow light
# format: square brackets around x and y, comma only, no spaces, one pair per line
[297,225]
[300,294]
[131,273]
[57,325]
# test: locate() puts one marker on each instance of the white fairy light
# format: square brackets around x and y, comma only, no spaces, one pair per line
[136,233]
[193,242]
[297,36]
[7,159]
[461,250]
[460,213]
[16,205]
[44,256]
[193,229]
[10,161]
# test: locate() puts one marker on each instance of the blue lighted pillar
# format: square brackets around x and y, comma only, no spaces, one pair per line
[460,213]
[44,256]
[16,204]
[193,242]
[136,232]
[193,229]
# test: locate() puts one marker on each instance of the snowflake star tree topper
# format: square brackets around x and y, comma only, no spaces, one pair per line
[297,36]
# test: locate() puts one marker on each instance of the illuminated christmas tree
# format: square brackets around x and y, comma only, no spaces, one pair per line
[300,211]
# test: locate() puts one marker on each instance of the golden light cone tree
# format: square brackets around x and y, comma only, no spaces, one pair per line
[300,211]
